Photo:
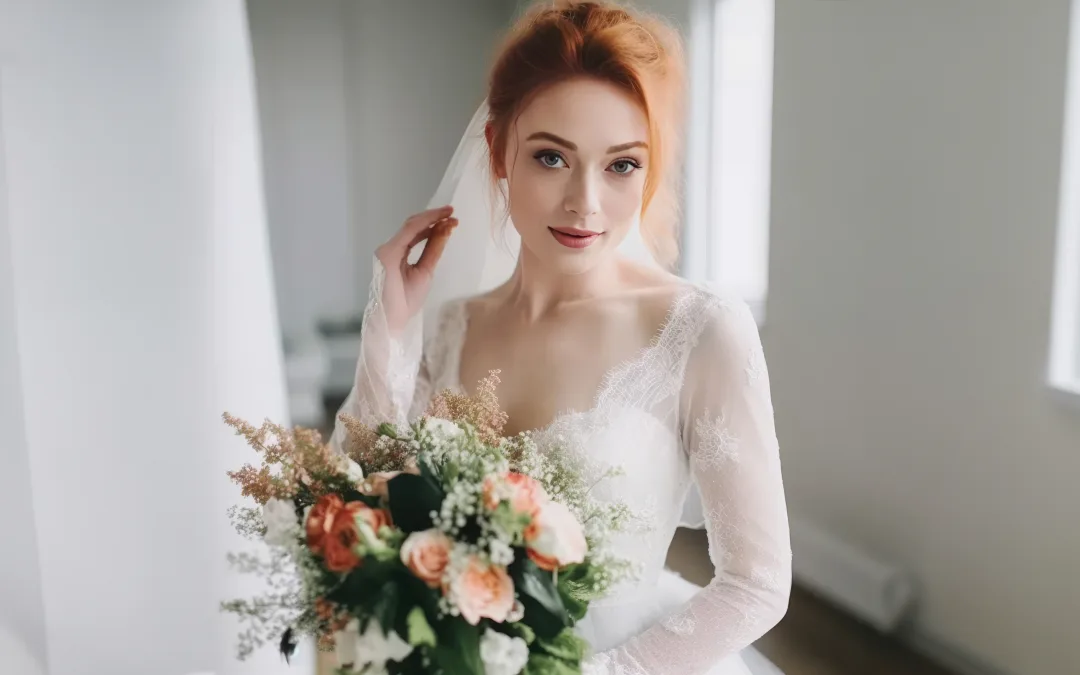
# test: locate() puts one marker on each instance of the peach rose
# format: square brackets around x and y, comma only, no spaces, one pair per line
[482,591]
[426,554]
[524,493]
[554,538]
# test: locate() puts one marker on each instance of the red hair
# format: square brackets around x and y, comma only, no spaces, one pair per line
[557,41]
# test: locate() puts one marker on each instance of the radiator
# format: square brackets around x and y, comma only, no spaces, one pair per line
[879,593]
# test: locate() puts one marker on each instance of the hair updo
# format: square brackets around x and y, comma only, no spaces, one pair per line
[564,39]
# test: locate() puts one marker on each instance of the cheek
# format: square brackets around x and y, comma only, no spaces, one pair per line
[534,197]
[621,201]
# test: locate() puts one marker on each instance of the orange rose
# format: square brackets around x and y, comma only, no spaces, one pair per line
[340,550]
[482,591]
[554,538]
[524,493]
[375,518]
[332,530]
[426,554]
[321,519]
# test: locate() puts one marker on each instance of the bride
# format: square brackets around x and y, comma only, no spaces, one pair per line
[598,346]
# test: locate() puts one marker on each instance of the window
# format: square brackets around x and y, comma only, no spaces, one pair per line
[729,146]
[1064,366]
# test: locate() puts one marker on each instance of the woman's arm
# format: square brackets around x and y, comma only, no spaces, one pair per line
[389,369]
[729,435]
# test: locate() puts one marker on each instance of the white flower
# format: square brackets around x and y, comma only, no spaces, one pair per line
[282,526]
[517,613]
[501,552]
[350,468]
[442,430]
[354,472]
[502,654]
[371,650]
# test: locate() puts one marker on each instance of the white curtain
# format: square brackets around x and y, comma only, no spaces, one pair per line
[139,306]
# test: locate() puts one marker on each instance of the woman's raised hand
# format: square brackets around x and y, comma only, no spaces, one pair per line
[406,285]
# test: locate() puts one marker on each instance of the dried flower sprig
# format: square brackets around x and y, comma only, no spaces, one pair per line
[481,410]
[295,463]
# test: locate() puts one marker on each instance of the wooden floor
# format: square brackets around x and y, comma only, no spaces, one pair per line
[813,638]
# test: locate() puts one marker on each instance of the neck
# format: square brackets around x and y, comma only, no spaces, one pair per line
[536,289]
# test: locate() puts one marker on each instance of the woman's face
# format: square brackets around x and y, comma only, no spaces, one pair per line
[575,167]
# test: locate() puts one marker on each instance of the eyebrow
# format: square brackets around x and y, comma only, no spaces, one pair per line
[545,135]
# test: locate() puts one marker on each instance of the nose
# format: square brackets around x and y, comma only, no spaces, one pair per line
[582,195]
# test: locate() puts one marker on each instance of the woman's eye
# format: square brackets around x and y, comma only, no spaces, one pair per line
[550,159]
[625,166]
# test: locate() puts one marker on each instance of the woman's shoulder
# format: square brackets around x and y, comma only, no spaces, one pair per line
[705,302]
[702,318]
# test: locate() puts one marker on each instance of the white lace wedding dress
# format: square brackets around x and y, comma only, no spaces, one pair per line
[693,406]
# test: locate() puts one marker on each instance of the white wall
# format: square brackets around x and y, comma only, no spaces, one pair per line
[141,306]
[363,104]
[21,611]
[915,184]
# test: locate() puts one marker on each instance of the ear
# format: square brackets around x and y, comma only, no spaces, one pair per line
[489,135]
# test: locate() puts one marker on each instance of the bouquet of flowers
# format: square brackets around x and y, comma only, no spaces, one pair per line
[443,547]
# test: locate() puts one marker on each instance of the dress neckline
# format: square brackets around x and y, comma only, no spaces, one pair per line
[660,340]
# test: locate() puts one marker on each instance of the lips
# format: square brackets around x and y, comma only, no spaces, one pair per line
[572,237]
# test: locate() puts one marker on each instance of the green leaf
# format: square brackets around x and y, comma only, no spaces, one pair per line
[458,651]
[566,646]
[387,429]
[510,521]
[544,610]
[386,604]
[543,664]
[412,499]
[574,589]
[522,631]
[420,631]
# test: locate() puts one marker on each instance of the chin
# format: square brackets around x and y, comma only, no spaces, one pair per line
[577,264]
[554,256]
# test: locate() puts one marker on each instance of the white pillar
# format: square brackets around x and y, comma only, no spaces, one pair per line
[142,308]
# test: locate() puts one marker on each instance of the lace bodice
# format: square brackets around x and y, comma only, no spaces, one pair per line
[694,405]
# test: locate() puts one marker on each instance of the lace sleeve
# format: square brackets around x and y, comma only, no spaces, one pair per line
[729,435]
[389,370]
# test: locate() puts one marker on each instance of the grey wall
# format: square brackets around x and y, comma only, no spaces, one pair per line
[362,105]
[915,176]
[299,51]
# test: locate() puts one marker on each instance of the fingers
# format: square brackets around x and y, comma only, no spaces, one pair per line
[433,250]
[424,234]
[415,225]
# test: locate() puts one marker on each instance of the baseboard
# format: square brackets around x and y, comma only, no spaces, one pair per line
[946,655]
